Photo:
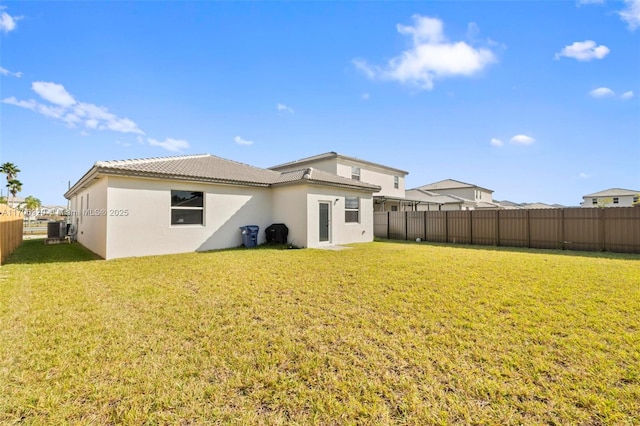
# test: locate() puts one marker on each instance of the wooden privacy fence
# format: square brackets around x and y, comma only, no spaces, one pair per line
[595,229]
[11,222]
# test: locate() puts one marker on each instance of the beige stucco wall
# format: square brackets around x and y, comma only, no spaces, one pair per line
[339,231]
[91,221]
[623,201]
[147,230]
[375,176]
[289,207]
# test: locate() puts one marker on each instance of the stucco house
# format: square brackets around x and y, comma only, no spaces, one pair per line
[192,203]
[613,197]
[470,196]
[391,180]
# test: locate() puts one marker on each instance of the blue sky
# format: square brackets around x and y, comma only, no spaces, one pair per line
[538,101]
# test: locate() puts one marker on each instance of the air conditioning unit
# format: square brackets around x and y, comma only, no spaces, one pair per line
[56,229]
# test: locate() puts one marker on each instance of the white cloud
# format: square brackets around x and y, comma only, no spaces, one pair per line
[584,51]
[54,93]
[175,145]
[8,22]
[583,176]
[522,140]
[496,142]
[631,14]
[601,92]
[283,107]
[241,141]
[431,57]
[125,144]
[72,112]
[627,95]
[6,72]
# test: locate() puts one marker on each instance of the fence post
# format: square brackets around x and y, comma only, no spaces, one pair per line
[446,226]
[470,226]
[528,229]
[601,234]
[562,232]
[497,227]
[406,225]
[388,223]
[424,214]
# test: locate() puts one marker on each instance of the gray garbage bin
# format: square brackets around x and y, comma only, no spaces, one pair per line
[250,235]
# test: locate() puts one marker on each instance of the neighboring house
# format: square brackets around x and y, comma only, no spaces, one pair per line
[14,202]
[614,197]
[432,201]
[391,195]
[198,202]
[473,197]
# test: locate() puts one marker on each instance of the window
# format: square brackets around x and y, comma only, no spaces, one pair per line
[394,208]
[81,208]
[187,208]
[595,201]
[396,182]
[615,200]
[355,173]
[351,209]
[636,198]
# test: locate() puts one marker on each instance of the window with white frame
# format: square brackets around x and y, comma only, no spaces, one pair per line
[187,208]
[615,200]
[396,182]
[355,173]
[595,201]
[352,209]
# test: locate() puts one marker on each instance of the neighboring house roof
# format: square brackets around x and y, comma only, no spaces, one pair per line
[331,155]
[510,205]
[613,192]
[450,184]
[435,198]
[539,206]
[209,168]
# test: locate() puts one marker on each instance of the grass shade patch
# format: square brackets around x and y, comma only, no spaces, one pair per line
[381,333]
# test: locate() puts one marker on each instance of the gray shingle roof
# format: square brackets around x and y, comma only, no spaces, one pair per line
[613,192]
[328,155]
[312,175]
[200,167]
[209,168]
[449,184]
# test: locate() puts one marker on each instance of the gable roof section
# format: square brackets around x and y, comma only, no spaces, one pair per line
[313,176]
[434,197]
[209,168]
[330,155]
[613,192]
[450,184]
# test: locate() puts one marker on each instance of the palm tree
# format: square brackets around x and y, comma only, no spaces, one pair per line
[9,169]
[32,204]
[14,187]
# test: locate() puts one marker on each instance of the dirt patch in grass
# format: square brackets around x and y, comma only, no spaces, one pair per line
[384,333]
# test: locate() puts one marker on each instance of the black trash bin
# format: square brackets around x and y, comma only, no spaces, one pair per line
[250,235]
[277,233]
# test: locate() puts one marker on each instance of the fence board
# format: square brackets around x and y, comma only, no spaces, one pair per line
[484,226]
[436,226]
[513,228]
[459,227]
[622,229]
[380,224]
[582,229]
[611,229]
[11,222]
[545,228]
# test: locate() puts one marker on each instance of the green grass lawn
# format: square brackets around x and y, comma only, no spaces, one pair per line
[382,333]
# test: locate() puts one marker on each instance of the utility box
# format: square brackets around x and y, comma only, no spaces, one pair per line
[277,233]
[250,235]
[56,230]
